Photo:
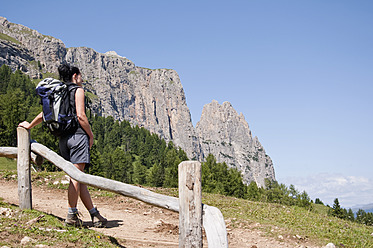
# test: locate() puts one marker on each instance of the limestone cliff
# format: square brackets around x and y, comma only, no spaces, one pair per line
[226,134]
[153,99]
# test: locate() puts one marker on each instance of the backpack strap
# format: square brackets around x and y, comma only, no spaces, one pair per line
[71,89]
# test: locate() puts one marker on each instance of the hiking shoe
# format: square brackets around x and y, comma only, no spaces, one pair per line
[97,219]
[73,220]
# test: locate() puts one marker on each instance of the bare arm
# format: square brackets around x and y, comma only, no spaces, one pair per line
[82,117]
[36,121]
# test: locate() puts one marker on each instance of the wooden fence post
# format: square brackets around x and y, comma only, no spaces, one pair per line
[23,168]
[190,205]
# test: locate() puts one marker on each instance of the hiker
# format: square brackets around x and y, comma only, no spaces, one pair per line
[75,148]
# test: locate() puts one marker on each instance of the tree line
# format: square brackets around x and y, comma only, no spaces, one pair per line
[129,153]
[360,217]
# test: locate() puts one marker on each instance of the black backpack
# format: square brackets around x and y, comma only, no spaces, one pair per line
[57,99]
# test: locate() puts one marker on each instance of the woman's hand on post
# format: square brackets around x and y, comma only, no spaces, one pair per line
[36,121]
[24,124]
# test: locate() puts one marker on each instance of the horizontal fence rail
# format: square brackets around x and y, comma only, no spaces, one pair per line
[212,219]
[159,200]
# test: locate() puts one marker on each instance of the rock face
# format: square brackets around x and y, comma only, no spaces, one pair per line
[153,99]
[32,47]
[226,134]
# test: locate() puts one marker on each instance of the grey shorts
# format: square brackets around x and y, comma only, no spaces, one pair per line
[75,148]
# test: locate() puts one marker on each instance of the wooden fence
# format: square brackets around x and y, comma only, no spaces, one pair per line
[193,215]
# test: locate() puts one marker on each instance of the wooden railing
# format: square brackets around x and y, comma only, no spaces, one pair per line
[192,213]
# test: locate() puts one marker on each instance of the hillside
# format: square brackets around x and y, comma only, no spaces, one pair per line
[249,224]
[136,224]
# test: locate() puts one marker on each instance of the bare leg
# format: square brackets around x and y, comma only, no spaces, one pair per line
[77,189]
[73,193]
[85,197]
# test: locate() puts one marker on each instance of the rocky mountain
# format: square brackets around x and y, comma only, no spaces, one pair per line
[153,99]
[226,134]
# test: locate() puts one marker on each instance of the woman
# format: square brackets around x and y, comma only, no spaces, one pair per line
[75,148]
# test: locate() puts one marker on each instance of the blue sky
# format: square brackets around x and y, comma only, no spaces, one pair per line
[301,72]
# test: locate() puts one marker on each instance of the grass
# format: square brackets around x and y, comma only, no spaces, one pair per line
[8,164]
[8,38]
[274,220]
[290,221]
[48,231]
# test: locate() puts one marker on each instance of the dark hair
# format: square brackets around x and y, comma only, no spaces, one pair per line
[66,72]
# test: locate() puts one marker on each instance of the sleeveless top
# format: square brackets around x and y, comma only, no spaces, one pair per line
[79,130]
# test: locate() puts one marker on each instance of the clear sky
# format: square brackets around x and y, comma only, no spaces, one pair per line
[301,72]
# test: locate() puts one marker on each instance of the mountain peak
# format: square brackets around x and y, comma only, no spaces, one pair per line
[225,134]
[113,53]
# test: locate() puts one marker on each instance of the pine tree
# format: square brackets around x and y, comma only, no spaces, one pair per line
[5,74]
[95,167]
[172,162]
[293,192]
[234,185]
[318,201]
[360,216]
[350,215]
[337,210]
[155,176]
[304,200]
[253,192]
[139,171]
[208,177]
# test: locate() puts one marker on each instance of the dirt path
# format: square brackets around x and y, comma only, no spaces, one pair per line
[133,223]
